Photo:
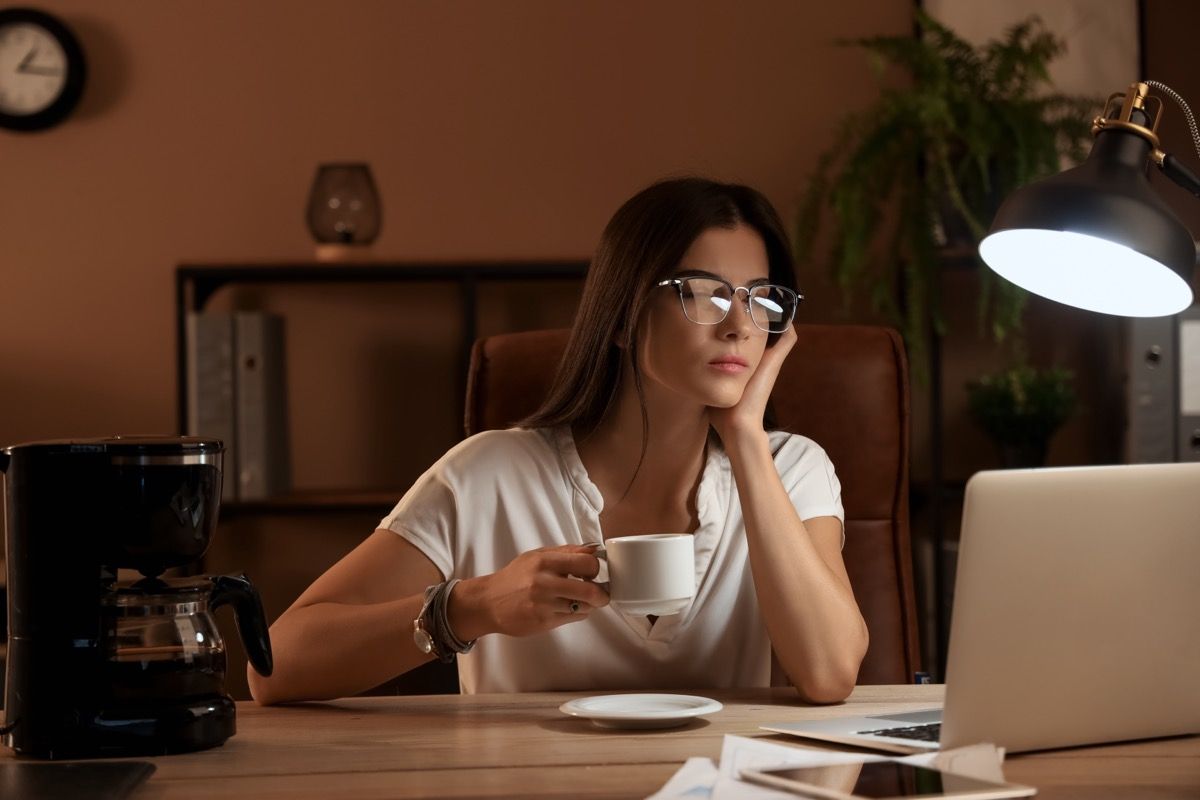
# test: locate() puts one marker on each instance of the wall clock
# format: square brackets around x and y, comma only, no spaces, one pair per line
[42,70]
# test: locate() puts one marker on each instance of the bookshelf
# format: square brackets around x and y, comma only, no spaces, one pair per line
[195,285]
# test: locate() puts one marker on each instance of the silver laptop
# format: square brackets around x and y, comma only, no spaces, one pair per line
[1076,615]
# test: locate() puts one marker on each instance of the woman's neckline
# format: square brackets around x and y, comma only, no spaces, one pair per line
[713,464]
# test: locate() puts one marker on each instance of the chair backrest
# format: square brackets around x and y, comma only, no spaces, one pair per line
[845,387]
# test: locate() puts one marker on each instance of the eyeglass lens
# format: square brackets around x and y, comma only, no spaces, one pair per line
[707,302]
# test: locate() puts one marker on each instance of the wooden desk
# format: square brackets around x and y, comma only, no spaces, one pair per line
[521,746]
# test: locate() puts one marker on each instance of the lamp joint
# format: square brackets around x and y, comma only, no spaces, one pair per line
[1119,113]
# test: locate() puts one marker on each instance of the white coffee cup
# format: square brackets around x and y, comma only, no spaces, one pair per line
[652,574]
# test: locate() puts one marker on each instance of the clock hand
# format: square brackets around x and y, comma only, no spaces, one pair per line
[24,65]
[49,71]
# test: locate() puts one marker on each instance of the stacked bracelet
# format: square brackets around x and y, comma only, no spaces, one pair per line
[435,623]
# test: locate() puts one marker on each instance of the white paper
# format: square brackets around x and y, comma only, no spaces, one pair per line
[693,781]
[699,778]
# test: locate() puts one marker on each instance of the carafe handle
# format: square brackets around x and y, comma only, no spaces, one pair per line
[249,615]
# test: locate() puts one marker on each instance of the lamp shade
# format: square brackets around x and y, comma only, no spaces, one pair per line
[1097,236]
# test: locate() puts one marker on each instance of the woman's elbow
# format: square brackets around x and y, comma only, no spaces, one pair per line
[827,686]
[271,691]
[260,688]
[836,681]
[824,691]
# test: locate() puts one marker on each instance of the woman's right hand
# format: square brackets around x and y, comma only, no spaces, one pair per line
[532,594]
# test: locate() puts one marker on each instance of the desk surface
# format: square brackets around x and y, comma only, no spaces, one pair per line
[520,745]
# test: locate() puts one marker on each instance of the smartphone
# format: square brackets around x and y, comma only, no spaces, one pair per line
[881,780]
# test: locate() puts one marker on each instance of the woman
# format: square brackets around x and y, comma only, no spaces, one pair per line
[655,423]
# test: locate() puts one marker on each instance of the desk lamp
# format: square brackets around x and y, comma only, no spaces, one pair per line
[1098,236]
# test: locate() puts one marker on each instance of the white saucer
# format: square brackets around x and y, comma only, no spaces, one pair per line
[640,710]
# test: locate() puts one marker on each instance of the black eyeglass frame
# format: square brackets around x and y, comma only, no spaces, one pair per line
[733,290]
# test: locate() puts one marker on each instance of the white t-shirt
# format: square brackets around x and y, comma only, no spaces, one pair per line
[501,493]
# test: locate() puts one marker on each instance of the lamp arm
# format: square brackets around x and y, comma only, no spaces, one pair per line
[1169,164]
[1174,169]
[1193,128]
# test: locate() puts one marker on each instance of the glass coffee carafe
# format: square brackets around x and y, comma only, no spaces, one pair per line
[161,643]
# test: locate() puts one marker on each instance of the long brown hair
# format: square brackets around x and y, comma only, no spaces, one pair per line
[643,244]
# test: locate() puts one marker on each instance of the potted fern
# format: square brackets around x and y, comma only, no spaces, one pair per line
[917,177]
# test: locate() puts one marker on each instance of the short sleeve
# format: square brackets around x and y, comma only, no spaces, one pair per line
[427,517]
[809,477]
[466,511]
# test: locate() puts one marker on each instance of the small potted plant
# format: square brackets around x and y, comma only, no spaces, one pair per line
[1021,408]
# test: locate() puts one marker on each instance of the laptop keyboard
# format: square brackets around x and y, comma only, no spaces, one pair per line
[930,732]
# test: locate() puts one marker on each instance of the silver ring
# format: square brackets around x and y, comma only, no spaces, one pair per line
[574,606]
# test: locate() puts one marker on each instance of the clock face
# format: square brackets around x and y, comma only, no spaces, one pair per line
[42,70]
[33,69]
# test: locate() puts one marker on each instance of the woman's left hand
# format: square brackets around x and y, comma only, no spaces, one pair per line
[746,416]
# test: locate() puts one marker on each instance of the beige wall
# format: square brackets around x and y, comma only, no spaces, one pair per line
[494,130]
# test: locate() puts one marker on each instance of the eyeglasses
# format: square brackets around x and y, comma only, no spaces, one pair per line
[706,301]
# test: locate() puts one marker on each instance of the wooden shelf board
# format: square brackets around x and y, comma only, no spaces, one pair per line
[325,500]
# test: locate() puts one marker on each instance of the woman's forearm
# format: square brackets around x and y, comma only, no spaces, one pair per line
[328,650]
[809,611]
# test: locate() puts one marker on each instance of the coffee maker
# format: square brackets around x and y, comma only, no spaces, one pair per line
[104,667]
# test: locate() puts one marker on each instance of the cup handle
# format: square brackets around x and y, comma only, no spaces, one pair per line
[599,552]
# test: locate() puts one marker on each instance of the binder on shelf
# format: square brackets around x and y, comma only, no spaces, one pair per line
[261,407]
[1150,397]
[1163,388]
[210,392]
[1188,442]
[236,392]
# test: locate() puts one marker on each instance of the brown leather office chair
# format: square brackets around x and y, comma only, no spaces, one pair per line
[844,386]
